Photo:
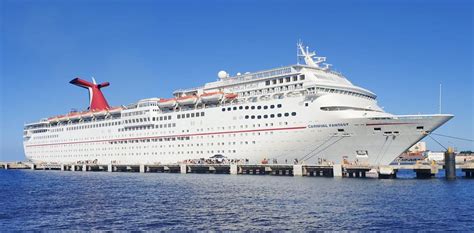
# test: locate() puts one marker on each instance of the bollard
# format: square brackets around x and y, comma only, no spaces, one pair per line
[450,164]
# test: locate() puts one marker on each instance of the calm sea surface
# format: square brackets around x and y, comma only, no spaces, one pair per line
[54,200]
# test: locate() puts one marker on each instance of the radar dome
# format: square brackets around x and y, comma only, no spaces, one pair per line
[222,74]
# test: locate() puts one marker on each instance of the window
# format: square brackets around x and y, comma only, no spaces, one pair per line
[246,107]
[253,117]
[265,116]
[302,77]
[274,81]
[279,114]
[278,105]
[295,78]
[253,107]
[272,115]
[223,109]
[280,80]
[267,82]
[192,114]
[287,114]
[377,129]
[287,79]
[241,107]
[246,117]
[229,108]
[234,108]
[272,106]
[259,107]
[420,127]
[293,113]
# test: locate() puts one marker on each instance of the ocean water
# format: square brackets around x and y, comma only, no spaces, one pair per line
[54,200]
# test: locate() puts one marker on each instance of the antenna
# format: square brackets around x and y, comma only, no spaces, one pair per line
[298,52]
[440,88]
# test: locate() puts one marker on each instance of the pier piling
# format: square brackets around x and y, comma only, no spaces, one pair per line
[450,164]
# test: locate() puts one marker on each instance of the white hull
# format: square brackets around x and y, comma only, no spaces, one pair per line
[230,134]
[299,112]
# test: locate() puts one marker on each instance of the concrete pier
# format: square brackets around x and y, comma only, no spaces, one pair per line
[422,170]
[425,171]
[387,172]
[298,170]
[183,168]
[234,169]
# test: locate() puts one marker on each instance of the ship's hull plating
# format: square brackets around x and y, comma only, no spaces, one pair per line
[307,134]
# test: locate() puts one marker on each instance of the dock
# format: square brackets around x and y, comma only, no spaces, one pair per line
[422,170]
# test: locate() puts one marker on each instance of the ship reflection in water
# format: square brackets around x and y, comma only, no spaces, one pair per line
[123,201]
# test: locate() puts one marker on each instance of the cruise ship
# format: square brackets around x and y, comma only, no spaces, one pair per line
[302,113]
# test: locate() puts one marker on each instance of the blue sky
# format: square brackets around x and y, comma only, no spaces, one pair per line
[401,50]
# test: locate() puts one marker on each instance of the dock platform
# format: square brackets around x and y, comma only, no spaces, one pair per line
[423,171]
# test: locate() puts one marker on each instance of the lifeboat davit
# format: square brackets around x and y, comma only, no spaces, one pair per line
[167,103]
[212,97]
[187,100]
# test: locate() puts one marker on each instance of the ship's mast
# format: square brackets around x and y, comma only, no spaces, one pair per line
[309,57]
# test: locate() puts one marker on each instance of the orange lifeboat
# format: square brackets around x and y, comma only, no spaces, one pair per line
[115,110]
[212,97]
[167,103]
[230,96]
[187,100]
[74,115]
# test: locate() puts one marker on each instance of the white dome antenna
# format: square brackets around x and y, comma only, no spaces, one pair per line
[222,74]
